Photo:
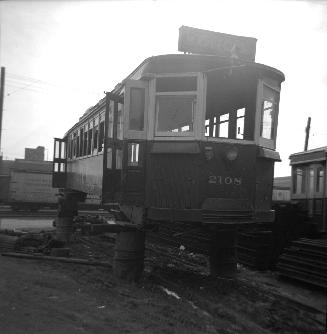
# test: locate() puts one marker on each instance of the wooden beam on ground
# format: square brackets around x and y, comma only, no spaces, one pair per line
[110,228]
[59,259]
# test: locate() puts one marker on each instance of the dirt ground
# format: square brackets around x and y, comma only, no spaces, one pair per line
[172,297]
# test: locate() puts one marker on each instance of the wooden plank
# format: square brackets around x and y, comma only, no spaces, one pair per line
[59,259]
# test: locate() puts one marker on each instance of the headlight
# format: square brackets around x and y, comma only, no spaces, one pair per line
[232,154]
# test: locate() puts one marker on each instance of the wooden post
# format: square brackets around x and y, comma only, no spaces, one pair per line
[223,257]
[128,262]
[2,90]
[307,133]
[67,209]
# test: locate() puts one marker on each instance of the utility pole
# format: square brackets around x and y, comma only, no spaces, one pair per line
[2,91]
[307,133]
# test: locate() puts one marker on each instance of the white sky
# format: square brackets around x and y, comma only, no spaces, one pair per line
[79,49]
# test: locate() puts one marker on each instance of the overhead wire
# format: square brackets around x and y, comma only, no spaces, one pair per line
[27,82]
[15,86]
[20,88]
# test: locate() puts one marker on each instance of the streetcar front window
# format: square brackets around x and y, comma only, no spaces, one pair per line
[175,113]
[230,105]
[175,105]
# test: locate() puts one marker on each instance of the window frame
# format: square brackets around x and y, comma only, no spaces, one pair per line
[89,149]
[194,111]
[134,148]
[319,186]
[198,116]
[128,133]
[101,136]
[95,135]
[302,182]
[261,141]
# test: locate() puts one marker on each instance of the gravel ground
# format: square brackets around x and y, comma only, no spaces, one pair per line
[175,295]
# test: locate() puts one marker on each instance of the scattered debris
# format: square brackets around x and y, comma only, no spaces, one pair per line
[170,293]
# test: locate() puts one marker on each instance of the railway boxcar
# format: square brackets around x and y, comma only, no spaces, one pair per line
[30,185]
[184,138]
[281,190]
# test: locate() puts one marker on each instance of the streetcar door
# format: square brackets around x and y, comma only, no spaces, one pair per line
[113,154]
[135,125]
[59,166]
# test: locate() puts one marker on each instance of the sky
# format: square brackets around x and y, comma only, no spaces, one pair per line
[60,56]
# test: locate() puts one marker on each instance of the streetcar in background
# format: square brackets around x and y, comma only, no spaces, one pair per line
[308,189]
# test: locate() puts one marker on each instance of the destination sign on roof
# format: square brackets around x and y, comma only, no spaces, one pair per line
[201,41]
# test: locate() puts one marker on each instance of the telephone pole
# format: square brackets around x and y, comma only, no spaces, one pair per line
[307,133]
[2,91]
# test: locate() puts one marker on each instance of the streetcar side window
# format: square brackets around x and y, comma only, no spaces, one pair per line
[223,126]
[207,127]
[240,118]
[95,138]
[133,154]
[136,113]
[111,120]
[77,145]
[320,179]
[109,158]
[74,145]
[81,139]
[268,113]
[89,141]
[69,143]
[119,159]
[311,180]
[85,142]
[120,121]
[227,125]
[299,180]
[101,136]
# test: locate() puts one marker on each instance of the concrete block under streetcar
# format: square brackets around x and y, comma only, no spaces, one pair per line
[185,138]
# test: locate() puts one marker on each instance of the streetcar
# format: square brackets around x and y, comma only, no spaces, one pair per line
[308,190]
[187,137]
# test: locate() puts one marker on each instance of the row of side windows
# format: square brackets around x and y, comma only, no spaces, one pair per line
[87,140]
[308,180]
